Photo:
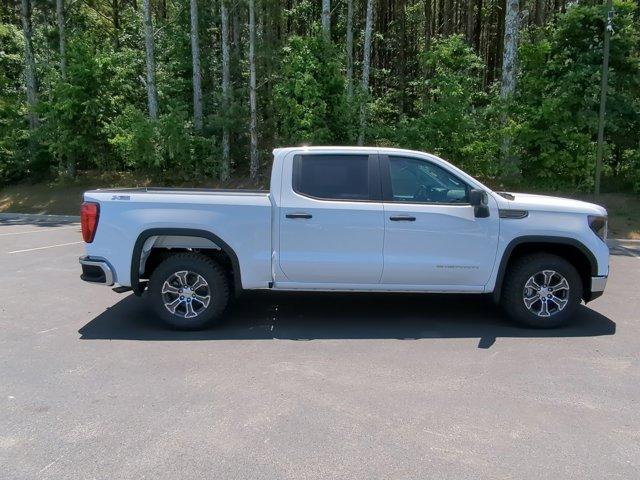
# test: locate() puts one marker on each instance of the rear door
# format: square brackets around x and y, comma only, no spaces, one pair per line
[331,219]
[433,238]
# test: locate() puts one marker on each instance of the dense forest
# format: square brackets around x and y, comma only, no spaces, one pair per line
[189,90]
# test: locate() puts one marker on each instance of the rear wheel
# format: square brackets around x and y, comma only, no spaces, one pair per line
[541,291]
[189,291]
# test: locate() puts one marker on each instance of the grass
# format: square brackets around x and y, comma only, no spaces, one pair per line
[624,213]
[64,198]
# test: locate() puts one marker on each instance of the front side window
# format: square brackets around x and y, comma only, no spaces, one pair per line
[332,177]
[420,181]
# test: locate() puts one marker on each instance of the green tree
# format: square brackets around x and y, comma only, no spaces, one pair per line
[452,116]
[558,103]
[14,135]
[309,94]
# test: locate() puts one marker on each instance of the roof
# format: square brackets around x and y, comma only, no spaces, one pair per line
[348,148]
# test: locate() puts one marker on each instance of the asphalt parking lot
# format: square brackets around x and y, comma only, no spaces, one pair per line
[304,386]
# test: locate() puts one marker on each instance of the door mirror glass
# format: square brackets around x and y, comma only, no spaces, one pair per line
[477,197]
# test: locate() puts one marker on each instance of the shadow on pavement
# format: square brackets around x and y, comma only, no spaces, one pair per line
[303,316]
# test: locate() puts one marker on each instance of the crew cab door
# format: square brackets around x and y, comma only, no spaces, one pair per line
[331,220]
[432,235]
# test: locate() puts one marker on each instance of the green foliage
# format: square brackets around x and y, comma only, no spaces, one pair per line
[167,148]
[439,99]
[72,115]
[311,106]
[453,118]
[559,86]
[13,129]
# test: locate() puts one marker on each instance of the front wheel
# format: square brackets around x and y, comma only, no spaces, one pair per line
[541,291]
[189,291]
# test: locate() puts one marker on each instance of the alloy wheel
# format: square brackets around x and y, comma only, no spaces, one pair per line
[546,293]
[186,294]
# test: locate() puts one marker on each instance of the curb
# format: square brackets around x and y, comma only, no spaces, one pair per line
[38,218]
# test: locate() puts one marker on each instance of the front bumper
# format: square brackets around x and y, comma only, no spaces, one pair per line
[96,270]
[597,286]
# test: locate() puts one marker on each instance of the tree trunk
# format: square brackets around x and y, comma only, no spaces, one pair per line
[402,57]
[226,74]
[508,85]
[71,164]
[366,63]
[235,34]
[253,128]
[152,94]
[195,61]
[350,50]
[428,14]
[61,38]
[478,27]
[115,13]
[539,13]
[510,53]
[326,20]
[446,17]
[162,6]
[470,21]
[29,65]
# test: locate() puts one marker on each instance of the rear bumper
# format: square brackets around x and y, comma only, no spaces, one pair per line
[96,270]
[597,287]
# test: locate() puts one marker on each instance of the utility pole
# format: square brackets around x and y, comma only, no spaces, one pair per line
[608,29]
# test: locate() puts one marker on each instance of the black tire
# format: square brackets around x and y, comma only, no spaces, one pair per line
[513,291]
[195,264]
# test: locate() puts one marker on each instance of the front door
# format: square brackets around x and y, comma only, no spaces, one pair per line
[432,236]
[331,221]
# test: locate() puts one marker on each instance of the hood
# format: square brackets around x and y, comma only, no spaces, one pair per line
[544,203]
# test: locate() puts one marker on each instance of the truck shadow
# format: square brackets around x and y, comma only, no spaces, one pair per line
[303,316]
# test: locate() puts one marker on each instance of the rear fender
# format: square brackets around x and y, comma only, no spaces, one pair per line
[177,238]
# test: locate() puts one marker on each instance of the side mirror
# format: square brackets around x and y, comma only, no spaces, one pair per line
[479,199]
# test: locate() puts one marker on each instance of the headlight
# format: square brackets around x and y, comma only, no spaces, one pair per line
[598,223]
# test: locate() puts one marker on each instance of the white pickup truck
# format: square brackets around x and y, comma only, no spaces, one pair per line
[347,219]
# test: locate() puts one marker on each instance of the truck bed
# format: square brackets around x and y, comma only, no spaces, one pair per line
[241,218]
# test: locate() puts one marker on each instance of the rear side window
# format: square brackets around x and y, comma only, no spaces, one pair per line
[332,177]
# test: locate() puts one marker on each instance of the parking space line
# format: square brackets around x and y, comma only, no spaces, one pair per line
[39,231]
[48,246]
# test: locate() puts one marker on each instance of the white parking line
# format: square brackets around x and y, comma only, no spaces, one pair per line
[48,246]
[43,230]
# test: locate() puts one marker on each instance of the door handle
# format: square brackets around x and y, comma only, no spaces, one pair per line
[402,218]
[298,215]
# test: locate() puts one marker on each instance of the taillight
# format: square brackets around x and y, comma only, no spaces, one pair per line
[89,215]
